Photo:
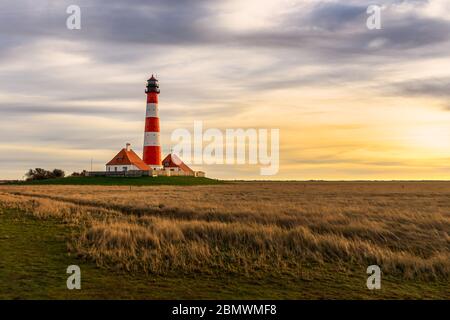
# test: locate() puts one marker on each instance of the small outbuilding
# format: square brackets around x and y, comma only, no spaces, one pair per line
[172,163]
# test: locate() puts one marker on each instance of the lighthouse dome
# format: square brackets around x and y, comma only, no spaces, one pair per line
[152,85]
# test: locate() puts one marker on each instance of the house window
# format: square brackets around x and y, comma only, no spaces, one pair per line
[125,168]
[115,169]
[109,168]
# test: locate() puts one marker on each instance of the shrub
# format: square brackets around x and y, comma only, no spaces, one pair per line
[42,174]
[79,174]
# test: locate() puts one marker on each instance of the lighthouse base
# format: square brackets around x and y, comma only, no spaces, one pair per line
[152,156]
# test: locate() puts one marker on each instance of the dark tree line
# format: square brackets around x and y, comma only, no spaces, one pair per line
[42,174]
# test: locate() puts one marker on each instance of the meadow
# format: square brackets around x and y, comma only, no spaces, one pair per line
[298,239]
[122,181]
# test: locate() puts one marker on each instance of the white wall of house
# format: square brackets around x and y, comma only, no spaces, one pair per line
[121,168]
[176,172]
[172,168]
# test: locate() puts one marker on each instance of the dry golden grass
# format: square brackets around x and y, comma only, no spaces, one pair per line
[253,227]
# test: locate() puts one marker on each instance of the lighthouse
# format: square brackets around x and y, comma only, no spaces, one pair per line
[127,162]
[152,146]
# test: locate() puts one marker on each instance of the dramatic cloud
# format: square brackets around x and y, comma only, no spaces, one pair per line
[308,67]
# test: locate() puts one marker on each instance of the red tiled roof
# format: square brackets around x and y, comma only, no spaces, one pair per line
[125,157]
[171,161]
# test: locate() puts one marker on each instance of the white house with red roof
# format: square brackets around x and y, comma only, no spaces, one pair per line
[126,160]
[174,164]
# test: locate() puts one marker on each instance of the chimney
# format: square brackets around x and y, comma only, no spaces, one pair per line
[128,147]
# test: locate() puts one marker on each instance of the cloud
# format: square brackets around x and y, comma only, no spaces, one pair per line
[224,62]
[332,15]
[434,87]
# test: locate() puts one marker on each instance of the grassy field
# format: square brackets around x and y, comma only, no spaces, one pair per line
[123,181]
[236,240]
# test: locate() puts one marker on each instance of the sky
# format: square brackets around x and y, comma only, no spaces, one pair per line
[350,103]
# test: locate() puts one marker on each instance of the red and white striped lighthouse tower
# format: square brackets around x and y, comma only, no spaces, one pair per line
[152,146]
